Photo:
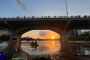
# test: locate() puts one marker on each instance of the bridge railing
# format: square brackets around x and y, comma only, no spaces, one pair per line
[32,17]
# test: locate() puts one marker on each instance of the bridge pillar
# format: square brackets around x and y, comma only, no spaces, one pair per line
[19,38]
[64,42]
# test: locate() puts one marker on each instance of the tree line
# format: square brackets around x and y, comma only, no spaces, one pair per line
[82,37]
[27,38]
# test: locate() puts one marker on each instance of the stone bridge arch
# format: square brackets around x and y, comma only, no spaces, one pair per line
[25,29]
[63,39]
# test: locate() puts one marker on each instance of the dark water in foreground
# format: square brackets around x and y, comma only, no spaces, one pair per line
[46,47]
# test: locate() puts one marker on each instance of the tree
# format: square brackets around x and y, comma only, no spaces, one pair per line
[81,38]
[86,38]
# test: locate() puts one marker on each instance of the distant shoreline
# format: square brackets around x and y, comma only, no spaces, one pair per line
[82,43]
[59,40]
[42,40]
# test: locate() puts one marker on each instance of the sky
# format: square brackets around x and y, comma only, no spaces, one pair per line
[28,8]
[43,34]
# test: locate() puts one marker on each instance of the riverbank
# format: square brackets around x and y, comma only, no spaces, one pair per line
[81,43]
[53,56]
[59,55]
[34,57]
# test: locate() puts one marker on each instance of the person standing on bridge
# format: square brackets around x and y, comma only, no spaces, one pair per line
[7,56]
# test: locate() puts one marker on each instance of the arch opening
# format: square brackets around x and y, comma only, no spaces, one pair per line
[62,42]
[5,34]
[7,30]
[43,37]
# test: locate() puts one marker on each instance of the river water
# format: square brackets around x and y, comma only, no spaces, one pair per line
[87,51]
[46,47]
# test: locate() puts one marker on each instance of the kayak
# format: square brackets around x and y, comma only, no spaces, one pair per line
[34,44]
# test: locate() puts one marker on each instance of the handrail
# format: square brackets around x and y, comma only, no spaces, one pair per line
[35,17]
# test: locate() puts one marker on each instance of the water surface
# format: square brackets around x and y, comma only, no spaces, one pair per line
[45,47]
[48,47]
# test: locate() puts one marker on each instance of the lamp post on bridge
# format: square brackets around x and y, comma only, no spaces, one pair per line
[66,8]
[67,16]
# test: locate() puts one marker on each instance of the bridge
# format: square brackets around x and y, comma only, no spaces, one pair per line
[61,25]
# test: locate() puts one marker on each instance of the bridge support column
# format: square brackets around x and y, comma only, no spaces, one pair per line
[19,38]
[64,42]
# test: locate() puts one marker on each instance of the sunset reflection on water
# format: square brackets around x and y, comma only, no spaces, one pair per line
[45,47]
[53,42]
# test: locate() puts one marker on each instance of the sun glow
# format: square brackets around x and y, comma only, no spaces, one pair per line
[52,37]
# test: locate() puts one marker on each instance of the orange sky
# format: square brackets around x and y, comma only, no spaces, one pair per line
[43,34]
